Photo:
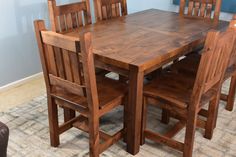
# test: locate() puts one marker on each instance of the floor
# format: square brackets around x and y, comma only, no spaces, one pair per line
[24,110]
[22,93]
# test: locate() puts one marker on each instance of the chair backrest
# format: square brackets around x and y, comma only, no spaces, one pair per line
[67,63]
[201,8]
[218,49]
[232,27]
[69,16]
[107,9]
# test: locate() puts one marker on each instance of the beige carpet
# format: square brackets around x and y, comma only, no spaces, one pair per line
[29,135]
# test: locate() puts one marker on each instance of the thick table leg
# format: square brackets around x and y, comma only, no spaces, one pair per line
[135,109]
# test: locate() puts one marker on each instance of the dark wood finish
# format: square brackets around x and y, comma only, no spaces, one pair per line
[107,9]
[185,95]
[231,73]
[69,16]
[145,40]
[201,9]
[194,59]
[73,85]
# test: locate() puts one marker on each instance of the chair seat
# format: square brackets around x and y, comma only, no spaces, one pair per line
[175,89]
[109,91]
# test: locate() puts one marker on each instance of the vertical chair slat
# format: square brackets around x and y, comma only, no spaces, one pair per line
[59,62]
[80,18]
[51,59]
[117,10]
[190,8]
[76,70]
[74,20]
[69,21]
[196,8]
[203,9]
[113,8]
[67,65]
[62,23]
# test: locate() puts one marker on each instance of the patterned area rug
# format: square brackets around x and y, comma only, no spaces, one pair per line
[29,136]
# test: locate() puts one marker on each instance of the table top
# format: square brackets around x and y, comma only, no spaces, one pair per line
[148,38]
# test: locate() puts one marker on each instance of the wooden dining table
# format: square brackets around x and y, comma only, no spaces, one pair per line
[140,43]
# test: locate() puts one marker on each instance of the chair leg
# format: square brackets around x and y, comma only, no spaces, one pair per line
[231,96]
[165,118]
[122,79]
[126,111]
[144,120]
[53,122]
[94,139]
[190,134]
[68,114]
[212,118]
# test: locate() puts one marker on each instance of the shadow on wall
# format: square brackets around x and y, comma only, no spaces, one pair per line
[18,49]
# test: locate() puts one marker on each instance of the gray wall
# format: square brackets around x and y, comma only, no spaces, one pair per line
[18,49]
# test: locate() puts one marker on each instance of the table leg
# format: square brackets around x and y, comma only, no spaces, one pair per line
[135,109]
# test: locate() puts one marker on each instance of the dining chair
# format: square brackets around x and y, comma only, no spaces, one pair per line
[185,95]
[194,60]
[231,74]
[69,16]
[79,89]
[201,9]
[107,9]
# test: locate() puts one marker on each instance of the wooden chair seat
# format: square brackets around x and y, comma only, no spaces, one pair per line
[109,92]
[175,91]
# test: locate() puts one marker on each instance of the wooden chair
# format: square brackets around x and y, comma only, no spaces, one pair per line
[194,60]
[107,9]
[201,8]
[184,95]
[69,16]
[72,83]
[231,73]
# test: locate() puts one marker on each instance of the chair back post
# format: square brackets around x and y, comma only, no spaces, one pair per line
[39,26]
[52,15]
[89,73]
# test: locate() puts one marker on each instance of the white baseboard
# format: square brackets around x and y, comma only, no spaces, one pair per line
[20,82]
